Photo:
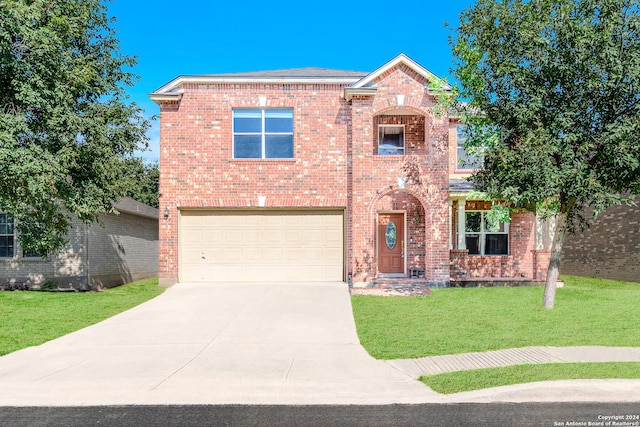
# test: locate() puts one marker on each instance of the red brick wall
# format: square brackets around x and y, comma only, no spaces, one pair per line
[520,263]
[610,248]
[198,169]
[335,164]
[375,178]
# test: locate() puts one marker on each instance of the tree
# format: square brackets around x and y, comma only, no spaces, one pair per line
[553,91]
[143,180]
[65,124]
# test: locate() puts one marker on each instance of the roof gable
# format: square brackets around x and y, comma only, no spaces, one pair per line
[369,79]
[360,83]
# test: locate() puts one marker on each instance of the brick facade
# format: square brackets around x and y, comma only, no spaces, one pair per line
[335,165]
[610,248]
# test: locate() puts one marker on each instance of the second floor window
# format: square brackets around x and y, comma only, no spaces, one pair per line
[263,134]
[465,161]
[390,140]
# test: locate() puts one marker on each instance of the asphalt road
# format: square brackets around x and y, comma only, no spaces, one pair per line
[495,414]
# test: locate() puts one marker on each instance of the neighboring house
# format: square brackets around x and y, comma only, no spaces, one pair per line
[123,249]
[609,248]
[324,175]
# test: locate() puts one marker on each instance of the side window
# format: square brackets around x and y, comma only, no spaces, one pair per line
[263,134]
[464,160]
[7,238]
[390,140]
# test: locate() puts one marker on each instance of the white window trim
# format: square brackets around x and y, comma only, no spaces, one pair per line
[482,233]
[404,142]
[18,253]
[263,134]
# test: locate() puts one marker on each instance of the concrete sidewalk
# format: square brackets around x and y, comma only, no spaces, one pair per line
[518,356]
[548,391]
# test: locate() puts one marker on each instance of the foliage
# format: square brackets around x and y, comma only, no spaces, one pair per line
[457,382]
[14,286]
[558,85]
[65,123]
[32,318]
[553,98]
[453,321]
[142,180]
[49,285]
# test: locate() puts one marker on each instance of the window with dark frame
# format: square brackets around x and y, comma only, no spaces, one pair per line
[464,160]
[263,133]
[390,140]
[485,237]
[7,237]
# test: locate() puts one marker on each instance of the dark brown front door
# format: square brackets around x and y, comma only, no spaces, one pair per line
[391,243]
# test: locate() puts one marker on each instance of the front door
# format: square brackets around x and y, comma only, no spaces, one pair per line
[391,242]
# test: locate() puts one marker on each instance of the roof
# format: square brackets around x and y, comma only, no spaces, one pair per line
[131,206]
[309,72]
[357,82]
[400,59]
[367,85]
[460,185]
[173,89]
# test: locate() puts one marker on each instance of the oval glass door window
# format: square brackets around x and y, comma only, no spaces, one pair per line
[390,235]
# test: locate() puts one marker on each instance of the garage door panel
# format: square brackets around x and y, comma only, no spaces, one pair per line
[294,253]
[293,237]
[261,246]
[272,237]
[230,255]
[272,255]
[252,255]
[331,256]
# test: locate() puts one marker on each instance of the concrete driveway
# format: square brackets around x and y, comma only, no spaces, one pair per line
[260,343]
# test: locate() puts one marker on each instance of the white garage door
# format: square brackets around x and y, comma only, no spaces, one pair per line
[236,246]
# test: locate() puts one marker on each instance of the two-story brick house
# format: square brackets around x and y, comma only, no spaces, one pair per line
[324,175]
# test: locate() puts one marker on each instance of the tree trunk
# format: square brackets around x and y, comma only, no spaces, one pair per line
[549,298]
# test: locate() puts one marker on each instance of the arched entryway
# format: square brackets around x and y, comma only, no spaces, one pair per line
[399,216]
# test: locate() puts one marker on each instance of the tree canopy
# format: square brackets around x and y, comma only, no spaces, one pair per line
[65,121]
[552,91]
[143,181]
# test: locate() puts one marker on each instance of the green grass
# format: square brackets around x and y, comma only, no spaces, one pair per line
[456,382]
[451,321]
[30,318]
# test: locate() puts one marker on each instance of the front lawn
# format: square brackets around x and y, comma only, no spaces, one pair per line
[451,321]
[29,318]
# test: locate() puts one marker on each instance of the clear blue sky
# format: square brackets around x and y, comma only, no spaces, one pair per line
[172,38]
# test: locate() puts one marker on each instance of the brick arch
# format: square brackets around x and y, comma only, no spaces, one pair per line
[391,189]
[380,106]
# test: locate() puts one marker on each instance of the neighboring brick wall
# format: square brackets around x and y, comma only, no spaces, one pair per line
[610,248]
[67,266]
[124,250]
